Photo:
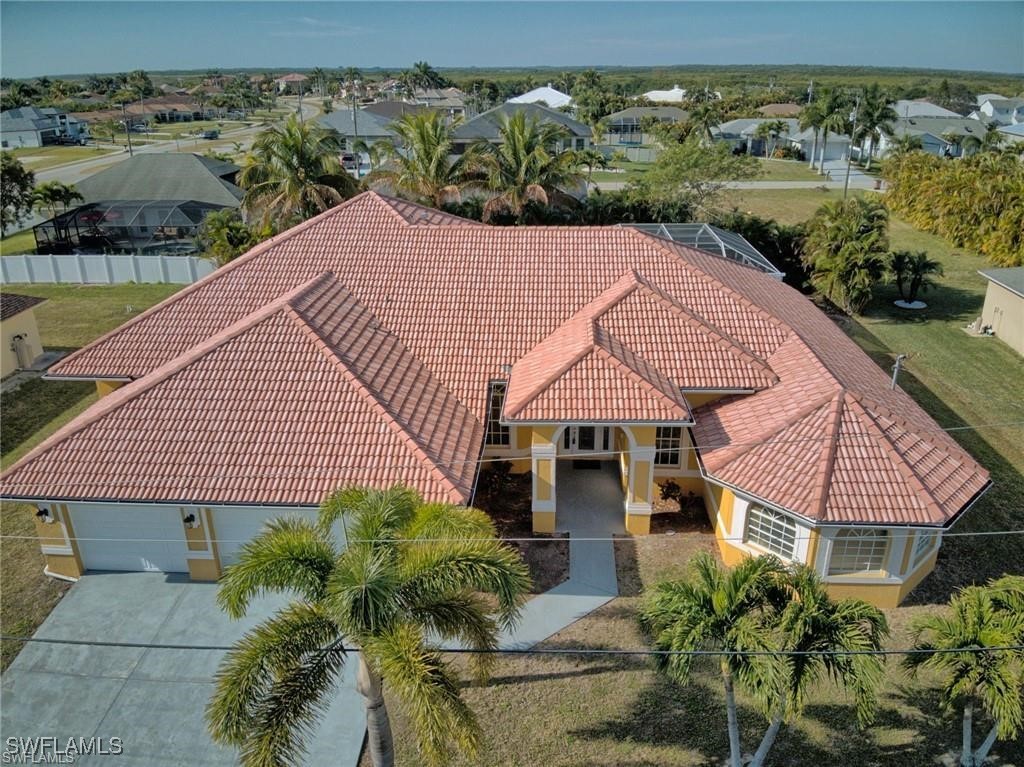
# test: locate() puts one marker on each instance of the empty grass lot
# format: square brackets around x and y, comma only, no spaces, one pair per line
[41,158]
[73,316]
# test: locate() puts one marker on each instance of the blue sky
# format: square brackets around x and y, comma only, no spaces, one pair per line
[83,37]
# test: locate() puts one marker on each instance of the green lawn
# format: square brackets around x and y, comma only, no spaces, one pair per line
[73,316]
[21,242]
[786,170]
[787,206]
[41,158]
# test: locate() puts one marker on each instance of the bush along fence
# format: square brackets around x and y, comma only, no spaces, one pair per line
[103,269]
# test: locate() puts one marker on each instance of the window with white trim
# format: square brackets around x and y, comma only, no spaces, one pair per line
[771,530]
[496,434]
[858,551]
[923,547]
[668,442]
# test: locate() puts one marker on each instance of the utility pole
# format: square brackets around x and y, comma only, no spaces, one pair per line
[896,369]
[849,151]
[127,129]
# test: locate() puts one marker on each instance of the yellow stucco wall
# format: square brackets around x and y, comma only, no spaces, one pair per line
[67,565]
[642,488]
[24,324]
[543,521]
[1004,311]
[545,477]
[638,524]
[103,388]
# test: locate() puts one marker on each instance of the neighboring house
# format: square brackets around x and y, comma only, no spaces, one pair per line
[940,136]
[1012,134]
[547,95]
[983,97]
[780,110]
[384,342]
[365,125]
[921,108]
[675,95]
[394,110]
[741,135]
[20,345]
[450,101]
[486,126]
[150,203]
[292,83]
[1003,311]
[36,127]
[1001,111]
[627,125]
[836,148]
[164,109]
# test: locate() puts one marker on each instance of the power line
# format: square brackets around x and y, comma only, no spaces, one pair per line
[551,650]
[511,539]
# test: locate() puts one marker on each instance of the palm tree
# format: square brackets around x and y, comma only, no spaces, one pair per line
[705,117]
[770,130]
[811,117]
[377,152]
[719,609]
[813,622]
[526,166]
[422,167]
[835,116]
[425,76]
[50,194]
[592,159]
[875,117]
[914,268]
[318,76]
[412,574]
[979,617]
[293,172]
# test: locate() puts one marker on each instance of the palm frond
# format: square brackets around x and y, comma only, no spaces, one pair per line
[290,555]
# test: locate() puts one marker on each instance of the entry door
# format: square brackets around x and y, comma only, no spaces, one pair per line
[585,439]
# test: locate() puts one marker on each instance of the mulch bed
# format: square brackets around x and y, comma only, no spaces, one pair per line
[509,507]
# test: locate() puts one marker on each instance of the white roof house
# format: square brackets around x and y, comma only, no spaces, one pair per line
[921,108]
[550,95]
[675,95]
[983,97]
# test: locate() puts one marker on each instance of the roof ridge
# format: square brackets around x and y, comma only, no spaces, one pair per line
[830,448]
[431,463]
[217,273]
[558,371]
[605,350]
[949,444]
[141,385]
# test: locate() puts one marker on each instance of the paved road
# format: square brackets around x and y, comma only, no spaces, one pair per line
[74,172]
[857,181]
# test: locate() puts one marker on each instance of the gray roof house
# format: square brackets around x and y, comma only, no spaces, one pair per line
[934,133]
[34,127]
[150,204]
[368,126]
[486,126]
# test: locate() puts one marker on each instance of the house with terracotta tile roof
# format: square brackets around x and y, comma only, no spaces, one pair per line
[385,342]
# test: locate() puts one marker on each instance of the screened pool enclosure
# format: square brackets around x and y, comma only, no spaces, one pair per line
[125,226]
[713,240]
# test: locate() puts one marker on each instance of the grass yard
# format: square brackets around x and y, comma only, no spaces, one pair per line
[20,242]
[786,170]
[73,316]
[787,206]
[41,158]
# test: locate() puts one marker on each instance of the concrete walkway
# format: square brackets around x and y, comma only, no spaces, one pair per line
[589,504]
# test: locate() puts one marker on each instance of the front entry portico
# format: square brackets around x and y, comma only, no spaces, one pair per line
[630,448]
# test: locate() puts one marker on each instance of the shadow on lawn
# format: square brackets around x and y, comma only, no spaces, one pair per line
[945,302]
[963,560]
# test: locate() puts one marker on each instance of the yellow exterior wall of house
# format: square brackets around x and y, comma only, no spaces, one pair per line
[1004,311]
[202,540]
[545,469]
[21,324]
[66,565]
[103,388]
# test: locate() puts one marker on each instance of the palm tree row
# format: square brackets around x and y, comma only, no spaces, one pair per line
[976,202]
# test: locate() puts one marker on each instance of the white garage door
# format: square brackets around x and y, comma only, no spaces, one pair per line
[233,527]
[158,539]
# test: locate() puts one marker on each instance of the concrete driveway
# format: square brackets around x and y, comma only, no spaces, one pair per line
[153,700]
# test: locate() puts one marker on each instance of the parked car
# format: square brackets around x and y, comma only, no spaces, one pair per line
[349,161]
[71,140]
[210,134]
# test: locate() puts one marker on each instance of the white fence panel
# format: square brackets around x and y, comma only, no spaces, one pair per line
[103,269]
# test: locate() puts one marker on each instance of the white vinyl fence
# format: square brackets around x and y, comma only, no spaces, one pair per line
[104,269]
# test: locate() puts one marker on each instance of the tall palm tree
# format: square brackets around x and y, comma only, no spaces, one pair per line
[719,609]
[592,159]
[50,194]
[811,117]
[525,165]
[979,617]
[770,130]
[425,76]
[814,622]
[421,166]
[293,172]
[875,118]
[412,574]
[317,74]
[912,272]
[704,117]
[835,108]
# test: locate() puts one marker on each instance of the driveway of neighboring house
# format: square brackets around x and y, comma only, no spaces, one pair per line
[153,699]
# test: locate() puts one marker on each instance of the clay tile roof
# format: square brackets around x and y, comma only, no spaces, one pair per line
[358,346]
[12,304]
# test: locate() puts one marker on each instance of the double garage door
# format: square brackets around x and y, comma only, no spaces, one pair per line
[153,539]
[130,539]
